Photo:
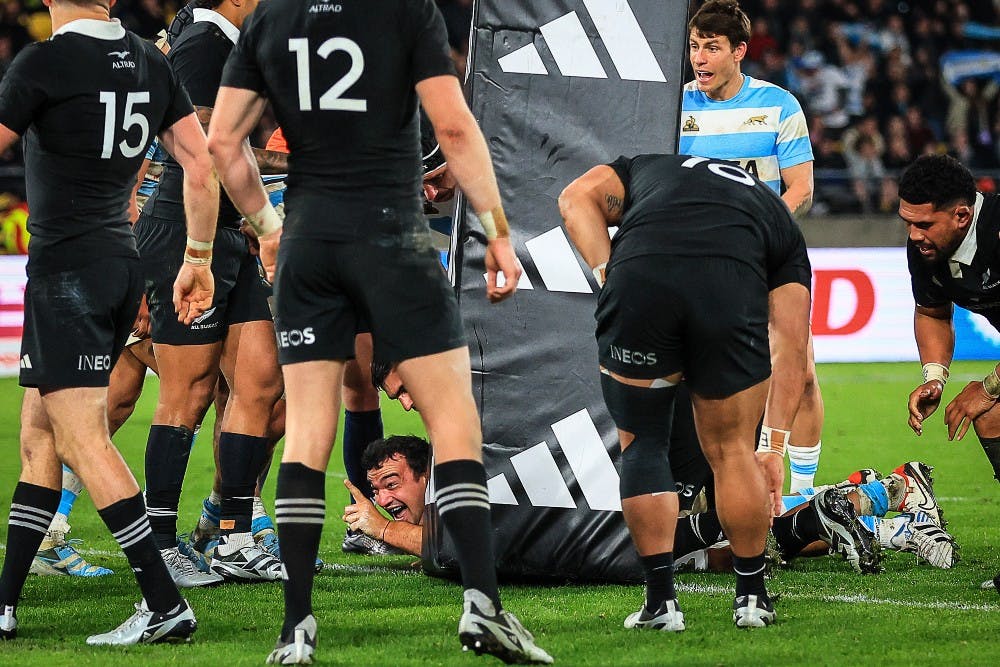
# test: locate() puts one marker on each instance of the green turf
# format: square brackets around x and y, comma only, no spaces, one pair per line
[380,611]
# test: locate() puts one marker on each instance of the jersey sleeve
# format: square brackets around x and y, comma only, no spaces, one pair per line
[623,168]
[431,54]
[22,90]
[241,69]
[793,146]
[200,70]
[179,104]
[788,259]
[925,292]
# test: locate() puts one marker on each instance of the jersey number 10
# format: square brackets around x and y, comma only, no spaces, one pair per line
[332,99]
[131,119]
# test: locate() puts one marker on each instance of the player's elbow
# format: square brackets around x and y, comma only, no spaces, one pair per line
[455,132]
[570,200]
[221,147]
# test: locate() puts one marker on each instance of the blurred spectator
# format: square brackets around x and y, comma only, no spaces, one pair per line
[143,17]
[12,25]
[863,147]
[823,88]
[919,135]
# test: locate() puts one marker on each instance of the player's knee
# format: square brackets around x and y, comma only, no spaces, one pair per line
[646,467]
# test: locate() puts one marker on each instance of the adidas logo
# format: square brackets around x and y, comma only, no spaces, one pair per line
[25,362]
[560,270]
[545,486]
[574,54]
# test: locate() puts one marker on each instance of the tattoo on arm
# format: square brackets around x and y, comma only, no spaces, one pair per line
[615,204]
[271,162]
[204,116]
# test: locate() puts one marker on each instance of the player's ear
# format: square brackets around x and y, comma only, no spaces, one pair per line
[963,215]
[740,51]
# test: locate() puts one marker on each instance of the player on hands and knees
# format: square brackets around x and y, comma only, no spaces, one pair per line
[952,231]
[737,278]
[83,272]
[353,202]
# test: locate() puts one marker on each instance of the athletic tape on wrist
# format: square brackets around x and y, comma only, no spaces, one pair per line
[196,261]
[772,440]
[599,273]
[494,223]
[199,245]
[991,385]
[935,371]
[265,221]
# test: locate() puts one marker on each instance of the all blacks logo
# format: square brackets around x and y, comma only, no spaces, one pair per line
[294,337]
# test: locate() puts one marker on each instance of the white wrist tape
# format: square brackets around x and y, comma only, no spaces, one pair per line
[772,440]
[936,371]
[494,223]
[599,273]
[197,261]
[199,245]
[265,221]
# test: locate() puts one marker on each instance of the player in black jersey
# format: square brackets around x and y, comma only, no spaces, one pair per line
[236,335]
[701,248]
[952,251]
[88,102]
[341,80]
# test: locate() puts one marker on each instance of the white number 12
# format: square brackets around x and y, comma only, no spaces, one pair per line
[331,99]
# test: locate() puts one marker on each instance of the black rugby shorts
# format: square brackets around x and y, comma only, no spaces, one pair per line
[707,317]
[76,323]
[240,292]
[325,291]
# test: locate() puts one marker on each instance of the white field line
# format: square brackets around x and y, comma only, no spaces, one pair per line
[690,588]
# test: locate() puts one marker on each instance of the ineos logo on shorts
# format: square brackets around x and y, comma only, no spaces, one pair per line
[93,362]
[632,357]
[294,337]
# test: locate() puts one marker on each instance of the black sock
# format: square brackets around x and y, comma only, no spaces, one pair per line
[794,532]
[659,569]
[127,521]
[697,531]
[749,575]
[463,503]
[992,448]
[360,429]
[167,452]
[31,512]
[299,507]
[241,458]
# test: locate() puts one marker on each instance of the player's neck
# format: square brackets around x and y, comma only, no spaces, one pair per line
[731,88]
[230,12]
[66,12]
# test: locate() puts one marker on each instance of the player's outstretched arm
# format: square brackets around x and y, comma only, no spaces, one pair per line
[194,287]
[589,205]
[788,330]
[234,116]
[468,159]
[935,337]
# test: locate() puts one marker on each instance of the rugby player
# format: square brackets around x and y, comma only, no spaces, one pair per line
[706,260]
[235,336]
[353,203]
[89,102]
[728,115]
[951,253]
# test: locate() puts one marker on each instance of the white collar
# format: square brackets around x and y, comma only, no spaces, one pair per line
[96,28]
[967,250]
[202,14]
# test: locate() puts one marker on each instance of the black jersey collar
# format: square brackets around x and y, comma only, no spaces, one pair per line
[966,252]
[96,28]
[231,31]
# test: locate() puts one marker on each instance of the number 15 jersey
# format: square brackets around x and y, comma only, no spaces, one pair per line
[88,103]
[340,75]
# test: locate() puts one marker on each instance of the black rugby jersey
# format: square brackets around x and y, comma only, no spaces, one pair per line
[978,287]
[684,206]
[197,57]
[340,76]
[88,102]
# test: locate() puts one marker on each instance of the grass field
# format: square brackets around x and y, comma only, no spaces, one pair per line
[381,611]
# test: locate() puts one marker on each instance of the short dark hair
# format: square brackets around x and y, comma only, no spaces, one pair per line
[416,450]
[380,371]
[722,17]
[938,180]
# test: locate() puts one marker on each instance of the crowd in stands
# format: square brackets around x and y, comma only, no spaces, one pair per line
[881,81]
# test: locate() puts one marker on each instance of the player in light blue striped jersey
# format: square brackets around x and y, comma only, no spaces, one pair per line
[728,115]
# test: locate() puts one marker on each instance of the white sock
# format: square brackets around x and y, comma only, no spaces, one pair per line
[258,508]
[804,462]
